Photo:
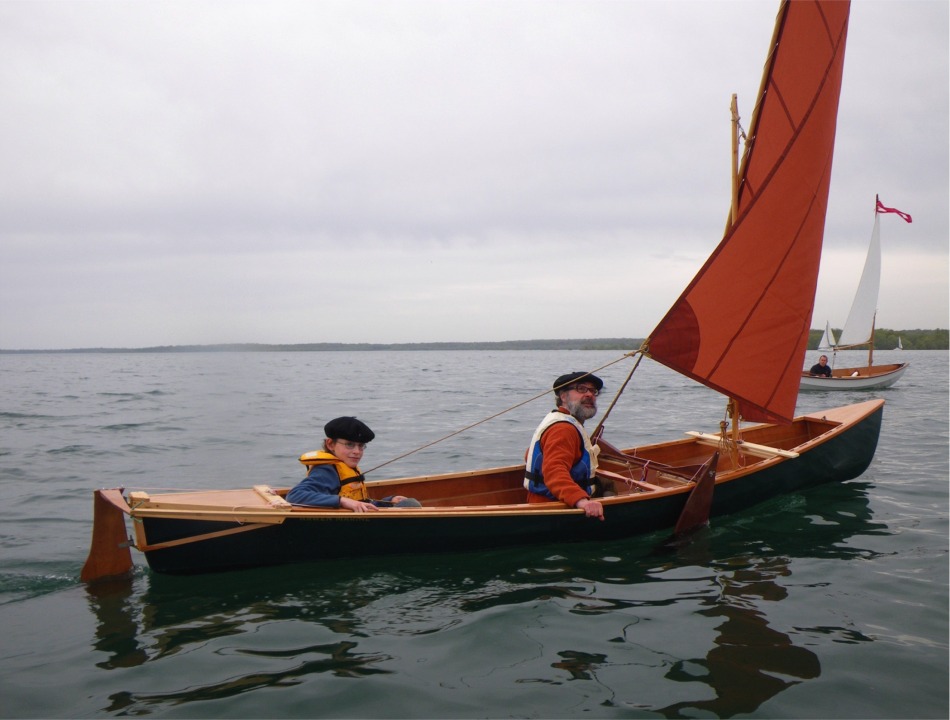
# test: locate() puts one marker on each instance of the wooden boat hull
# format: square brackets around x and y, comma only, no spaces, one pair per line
[856,378]
[195,533]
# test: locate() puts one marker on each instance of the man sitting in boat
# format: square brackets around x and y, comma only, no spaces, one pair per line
[821,369]
[561,460]
[335,480]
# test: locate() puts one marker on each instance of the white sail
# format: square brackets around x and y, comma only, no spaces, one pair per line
[900,345]
[828,341]
[859,326]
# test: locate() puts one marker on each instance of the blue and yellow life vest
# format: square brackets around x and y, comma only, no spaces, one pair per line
[582,472]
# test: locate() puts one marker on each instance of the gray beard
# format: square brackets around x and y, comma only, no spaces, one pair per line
[579,411]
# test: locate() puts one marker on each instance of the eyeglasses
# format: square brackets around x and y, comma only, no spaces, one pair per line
[584,389]
[352,445]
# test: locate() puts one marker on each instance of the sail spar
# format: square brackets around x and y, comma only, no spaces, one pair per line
[741,326]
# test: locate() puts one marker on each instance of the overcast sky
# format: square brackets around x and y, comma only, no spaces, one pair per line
[290,172]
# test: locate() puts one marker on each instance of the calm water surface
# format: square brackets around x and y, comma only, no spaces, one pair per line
[830,603]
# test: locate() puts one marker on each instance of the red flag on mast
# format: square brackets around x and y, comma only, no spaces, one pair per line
[882,209]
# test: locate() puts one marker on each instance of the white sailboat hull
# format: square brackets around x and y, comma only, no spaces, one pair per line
[862,378]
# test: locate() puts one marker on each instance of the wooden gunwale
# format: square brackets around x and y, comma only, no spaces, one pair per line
[276,517]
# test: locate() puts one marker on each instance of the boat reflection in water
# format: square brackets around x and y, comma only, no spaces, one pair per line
[115,605]
[750,661]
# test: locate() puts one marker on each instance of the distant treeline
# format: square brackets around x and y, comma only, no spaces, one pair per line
[883,340]
[624,344]
[887,339]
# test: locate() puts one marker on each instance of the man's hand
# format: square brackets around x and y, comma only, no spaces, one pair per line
[591,508]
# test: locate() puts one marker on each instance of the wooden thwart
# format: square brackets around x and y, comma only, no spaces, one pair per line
[762,451]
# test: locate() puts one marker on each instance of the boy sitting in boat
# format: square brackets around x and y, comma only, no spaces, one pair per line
[334,479]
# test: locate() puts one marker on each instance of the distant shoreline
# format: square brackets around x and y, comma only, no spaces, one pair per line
[938,339]
[626,344]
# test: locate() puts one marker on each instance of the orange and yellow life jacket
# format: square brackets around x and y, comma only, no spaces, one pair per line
[351,480]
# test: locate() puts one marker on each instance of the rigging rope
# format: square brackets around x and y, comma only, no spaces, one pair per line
[600,426]
[513,407]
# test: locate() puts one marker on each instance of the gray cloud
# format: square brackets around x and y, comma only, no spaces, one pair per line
[420,171]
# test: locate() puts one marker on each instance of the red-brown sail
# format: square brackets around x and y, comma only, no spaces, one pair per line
[741,326]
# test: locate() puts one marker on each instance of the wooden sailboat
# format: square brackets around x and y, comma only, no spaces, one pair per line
[859,328]
[740,327]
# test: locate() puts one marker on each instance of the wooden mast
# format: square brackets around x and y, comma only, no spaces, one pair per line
[732,408]
[734,108]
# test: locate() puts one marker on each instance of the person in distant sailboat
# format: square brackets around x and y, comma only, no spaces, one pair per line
[335,480]
[561,461]
[821,369]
